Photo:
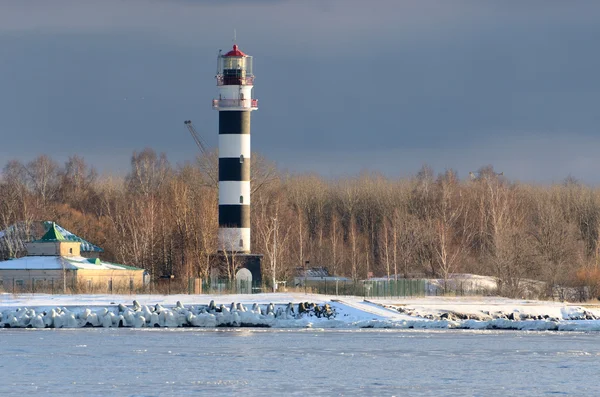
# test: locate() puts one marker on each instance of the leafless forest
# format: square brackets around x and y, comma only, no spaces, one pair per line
[164,218]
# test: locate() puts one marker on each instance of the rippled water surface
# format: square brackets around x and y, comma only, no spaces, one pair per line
[133,362]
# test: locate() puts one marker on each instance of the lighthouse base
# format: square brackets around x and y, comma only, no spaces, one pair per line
[221,262]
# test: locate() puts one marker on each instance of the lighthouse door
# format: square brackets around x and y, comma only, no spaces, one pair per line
[243,279]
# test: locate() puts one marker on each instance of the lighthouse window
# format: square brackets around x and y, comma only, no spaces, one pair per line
[233,73]
[241,159]
[241,243]
[233,63]
[241,199]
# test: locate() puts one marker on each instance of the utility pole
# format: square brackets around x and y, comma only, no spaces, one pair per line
[274,259]
[305,267]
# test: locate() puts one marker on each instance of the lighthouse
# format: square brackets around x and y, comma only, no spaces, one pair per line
[235,104]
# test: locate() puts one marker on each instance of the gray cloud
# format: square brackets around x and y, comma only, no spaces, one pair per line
[527,157]
[342,85]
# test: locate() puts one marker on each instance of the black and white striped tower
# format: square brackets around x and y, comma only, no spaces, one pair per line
[235,81]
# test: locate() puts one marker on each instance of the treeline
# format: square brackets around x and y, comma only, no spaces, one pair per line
[164,218]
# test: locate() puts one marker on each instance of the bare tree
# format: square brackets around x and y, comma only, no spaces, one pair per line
[298,197]
[77,181]
[452,230]
[554,239]
[336,239]
[513,260]
[348,206]
[231,260]
[272,234]
[208,163]
[148,172]
[43,179]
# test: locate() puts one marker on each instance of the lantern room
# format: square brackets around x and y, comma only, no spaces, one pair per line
[234,68]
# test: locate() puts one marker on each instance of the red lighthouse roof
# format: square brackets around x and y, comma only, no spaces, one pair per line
[235,52]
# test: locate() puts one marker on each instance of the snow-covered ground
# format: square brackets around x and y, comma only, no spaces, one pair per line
[282,310]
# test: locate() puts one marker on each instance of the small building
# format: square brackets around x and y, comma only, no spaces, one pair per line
[315,276]
[55,264]
[14,239]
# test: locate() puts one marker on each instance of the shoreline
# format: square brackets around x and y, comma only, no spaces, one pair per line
[288,310]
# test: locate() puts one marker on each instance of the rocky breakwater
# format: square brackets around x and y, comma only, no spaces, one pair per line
[139,316]
[499,319]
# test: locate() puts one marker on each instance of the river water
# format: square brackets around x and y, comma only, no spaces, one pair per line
[153,362]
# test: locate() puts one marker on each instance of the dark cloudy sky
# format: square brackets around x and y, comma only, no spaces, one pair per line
[343,85]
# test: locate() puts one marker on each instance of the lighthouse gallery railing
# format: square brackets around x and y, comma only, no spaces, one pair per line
[235,103]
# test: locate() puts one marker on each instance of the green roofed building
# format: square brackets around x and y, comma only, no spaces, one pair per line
[14,239]
[52,234]
[54,264]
